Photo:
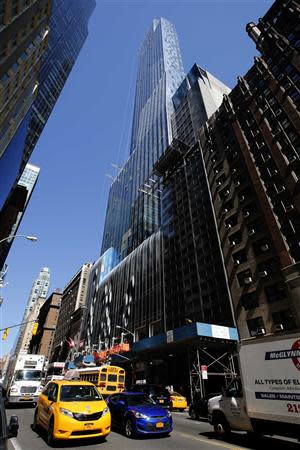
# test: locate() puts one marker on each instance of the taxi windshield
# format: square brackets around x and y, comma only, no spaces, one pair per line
[79,393]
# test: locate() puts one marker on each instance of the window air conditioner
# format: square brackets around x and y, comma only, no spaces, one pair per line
[232,244]
[227,226]
[264,247]
[242,198]
[237,184]
[246,214]
[260,331]
[263,273]
[225,210]
[237,262]
[248,280]
[251,232]
[278,327]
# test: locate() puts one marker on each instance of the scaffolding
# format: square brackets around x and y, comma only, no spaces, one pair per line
[221,366]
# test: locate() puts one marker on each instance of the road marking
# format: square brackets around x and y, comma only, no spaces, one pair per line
[15,444]
[213,442]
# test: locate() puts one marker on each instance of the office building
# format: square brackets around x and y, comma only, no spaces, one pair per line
[39,291]
[71,313]
[23,41]
[246,165]
[251,152]
[160,71]
[69,30]
[32,76]
[27,181]
[41,343]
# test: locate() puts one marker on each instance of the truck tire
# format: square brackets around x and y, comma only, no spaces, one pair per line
[221,426]
[193,414]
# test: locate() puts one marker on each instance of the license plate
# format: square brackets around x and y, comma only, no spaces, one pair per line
[88,426]
[161,401]
[26,397]
[159,425]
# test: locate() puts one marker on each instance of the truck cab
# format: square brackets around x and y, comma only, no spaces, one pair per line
[228,412]
[24,381]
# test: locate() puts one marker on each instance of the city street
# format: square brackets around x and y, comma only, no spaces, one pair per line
[187,435]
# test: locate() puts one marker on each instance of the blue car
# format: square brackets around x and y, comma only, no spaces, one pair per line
[136,414]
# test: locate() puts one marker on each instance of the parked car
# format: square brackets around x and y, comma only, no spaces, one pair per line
[72,410]
[7,431]
[156,392]
[135,413]
[199,406]
[178,401]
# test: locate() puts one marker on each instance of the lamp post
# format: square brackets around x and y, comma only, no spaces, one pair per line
[127,331]
[2,273]
[30,238]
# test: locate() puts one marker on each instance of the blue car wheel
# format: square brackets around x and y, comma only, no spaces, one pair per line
[128,428]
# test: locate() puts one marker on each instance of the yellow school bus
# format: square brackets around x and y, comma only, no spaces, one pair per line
[108,379]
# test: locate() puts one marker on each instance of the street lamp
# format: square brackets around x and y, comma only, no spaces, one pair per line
[30,238]
[127,331]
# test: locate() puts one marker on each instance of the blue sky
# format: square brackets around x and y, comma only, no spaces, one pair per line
[90,127]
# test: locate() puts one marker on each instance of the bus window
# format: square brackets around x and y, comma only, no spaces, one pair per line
[121,378]
[102,377]
[112,377]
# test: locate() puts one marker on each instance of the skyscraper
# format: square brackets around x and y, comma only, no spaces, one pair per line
[38,291]
[160,71]
[68,32]
[31,82]
[132,295]
[23,40]
[28,182]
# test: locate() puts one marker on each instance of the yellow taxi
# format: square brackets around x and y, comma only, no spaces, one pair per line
[72,410]
[178,401]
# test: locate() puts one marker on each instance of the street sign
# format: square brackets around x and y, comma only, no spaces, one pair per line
[204,372]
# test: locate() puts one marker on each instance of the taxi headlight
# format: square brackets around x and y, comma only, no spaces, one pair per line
[66,412]
[139,415]
[105,411]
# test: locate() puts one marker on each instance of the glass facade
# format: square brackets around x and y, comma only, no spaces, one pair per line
[68,32]
[131,296]
[132,215]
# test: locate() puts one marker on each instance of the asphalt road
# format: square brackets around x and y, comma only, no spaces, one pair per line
[187,435]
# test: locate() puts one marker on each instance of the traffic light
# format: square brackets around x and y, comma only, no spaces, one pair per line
[35,328]
[5,334]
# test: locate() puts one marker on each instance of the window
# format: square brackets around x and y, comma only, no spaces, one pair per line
[275,292]
[235,389]
[244,278]
[284,320]
[256,326]
[250,300]
[239,257]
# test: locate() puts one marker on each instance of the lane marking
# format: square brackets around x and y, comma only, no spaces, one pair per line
[15,444]
[213,442]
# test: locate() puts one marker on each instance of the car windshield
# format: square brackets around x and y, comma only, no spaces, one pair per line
[28,375]
[135,400]
[79,393]
[159,391]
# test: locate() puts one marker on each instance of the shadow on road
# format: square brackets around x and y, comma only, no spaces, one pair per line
[255,443]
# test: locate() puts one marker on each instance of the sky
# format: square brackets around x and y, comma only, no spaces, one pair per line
[90,127]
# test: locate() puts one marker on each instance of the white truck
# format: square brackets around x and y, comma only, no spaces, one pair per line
[23,378]
[266,398]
